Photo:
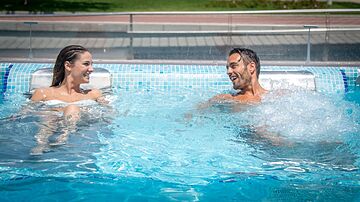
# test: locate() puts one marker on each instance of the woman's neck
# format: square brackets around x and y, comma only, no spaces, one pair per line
[70,87]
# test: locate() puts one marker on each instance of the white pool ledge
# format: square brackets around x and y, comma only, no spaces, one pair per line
[43,78]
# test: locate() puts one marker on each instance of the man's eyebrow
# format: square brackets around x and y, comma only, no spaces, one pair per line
[232,63]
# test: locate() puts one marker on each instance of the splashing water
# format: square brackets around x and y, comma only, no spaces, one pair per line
[153,138]
[307,116]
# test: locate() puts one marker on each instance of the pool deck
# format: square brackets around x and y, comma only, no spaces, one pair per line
[255,19]
[110,37]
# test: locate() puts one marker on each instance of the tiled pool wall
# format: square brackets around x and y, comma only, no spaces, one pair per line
[15,77]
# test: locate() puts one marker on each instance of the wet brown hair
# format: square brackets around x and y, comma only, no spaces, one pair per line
[70,54]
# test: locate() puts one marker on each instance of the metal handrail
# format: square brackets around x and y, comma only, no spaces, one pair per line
[266,31]
[133,33]
[295,11]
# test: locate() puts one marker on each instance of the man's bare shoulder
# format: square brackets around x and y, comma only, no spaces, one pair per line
[222,97]
[247,99]
[238,98]
[214,100]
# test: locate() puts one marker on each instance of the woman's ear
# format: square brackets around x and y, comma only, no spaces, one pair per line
[67,65]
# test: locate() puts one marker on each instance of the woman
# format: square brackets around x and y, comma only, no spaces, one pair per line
[73,67]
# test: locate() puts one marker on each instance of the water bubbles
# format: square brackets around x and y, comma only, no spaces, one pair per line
[306,116]
[170,139]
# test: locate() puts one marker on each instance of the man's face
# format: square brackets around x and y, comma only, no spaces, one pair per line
[238,73]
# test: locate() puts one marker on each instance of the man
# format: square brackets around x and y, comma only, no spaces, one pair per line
[243,69]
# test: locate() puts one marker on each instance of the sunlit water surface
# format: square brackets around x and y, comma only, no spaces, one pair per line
[175,146]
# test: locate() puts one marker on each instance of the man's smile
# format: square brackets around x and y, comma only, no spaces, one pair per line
[233,77]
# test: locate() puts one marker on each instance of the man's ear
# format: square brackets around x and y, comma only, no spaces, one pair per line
[67,65]
[252,68]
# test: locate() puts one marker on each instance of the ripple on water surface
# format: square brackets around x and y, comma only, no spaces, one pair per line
[171,140]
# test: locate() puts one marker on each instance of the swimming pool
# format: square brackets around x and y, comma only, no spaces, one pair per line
[154,143]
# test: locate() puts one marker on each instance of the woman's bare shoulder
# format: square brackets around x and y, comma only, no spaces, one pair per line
[97,95]
[94,93]
[41,94]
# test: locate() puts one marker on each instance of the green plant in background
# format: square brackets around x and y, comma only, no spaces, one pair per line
[164,5]
[54,5]
[277,4]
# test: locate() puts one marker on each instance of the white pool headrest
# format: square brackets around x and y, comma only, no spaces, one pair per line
[273,80]
[99,79]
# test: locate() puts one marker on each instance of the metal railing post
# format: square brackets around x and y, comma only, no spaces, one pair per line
[131,28]
[309,41]
[30,37]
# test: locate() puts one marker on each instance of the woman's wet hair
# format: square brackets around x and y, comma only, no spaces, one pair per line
[70,54]
[248,55]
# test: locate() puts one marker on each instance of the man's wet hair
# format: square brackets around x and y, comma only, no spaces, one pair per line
[248,56]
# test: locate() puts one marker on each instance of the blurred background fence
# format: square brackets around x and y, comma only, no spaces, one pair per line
[282,35]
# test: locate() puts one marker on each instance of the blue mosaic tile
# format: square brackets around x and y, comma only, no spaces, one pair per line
[20,75]
[169,77]
[2,74]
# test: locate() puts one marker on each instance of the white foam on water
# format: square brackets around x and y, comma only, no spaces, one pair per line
[152,137]
[306,116]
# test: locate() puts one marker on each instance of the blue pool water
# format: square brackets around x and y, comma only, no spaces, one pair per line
[152,144]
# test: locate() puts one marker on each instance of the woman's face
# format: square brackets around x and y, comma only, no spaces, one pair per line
[82,68]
